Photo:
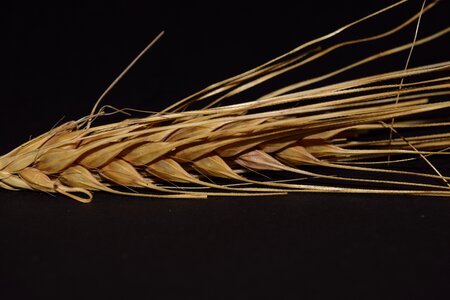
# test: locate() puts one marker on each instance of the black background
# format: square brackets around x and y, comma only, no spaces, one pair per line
[58,58]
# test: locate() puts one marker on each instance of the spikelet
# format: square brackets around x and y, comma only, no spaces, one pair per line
[182,152]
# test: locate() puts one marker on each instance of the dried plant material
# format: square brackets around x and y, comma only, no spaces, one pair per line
[182,152]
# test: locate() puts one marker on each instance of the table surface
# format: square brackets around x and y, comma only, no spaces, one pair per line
[291,245]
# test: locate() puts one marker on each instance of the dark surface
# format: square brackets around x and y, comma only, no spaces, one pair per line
[59,58]
[293,246]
